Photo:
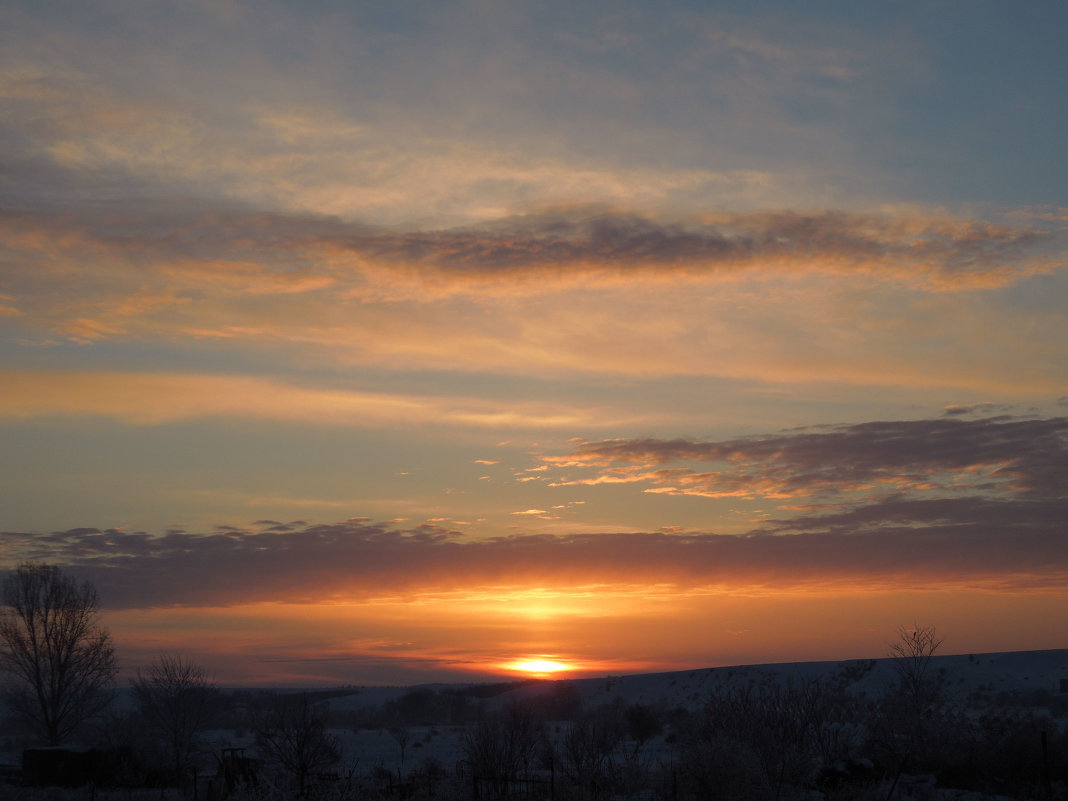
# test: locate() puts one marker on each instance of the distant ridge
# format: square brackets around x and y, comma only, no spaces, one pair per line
[1009,671]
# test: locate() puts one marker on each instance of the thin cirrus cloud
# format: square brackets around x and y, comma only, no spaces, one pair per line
[360,124]
[301,159]
[159,398]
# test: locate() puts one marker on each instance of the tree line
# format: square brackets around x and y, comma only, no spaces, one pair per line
[61,664]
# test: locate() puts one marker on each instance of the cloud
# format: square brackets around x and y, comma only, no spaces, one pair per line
[952,501]
[73,130]
[244,253]
[899,504]
[989,455]
[755,296]
[5,309]
[894,544]
[580,244]
[377,115]
[159,398]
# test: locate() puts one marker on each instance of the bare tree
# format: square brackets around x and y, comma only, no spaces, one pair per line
[294,735]
[402,735]
[176,698]
[912,654]
[910,707]
[920,690]
[777,722]
[588,750]
[59,655]
[503,745]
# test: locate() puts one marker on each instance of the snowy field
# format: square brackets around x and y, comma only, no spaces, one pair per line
[386,737]
[974,678]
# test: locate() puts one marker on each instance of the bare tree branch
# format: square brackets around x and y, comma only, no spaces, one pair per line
[175,695]
[52,645]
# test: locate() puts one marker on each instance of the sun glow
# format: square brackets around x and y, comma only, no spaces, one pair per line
[538,667]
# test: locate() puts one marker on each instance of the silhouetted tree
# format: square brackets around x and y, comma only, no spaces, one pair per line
[642,724]
[502,745]
[176,700]
[293,734]
[587,752]
[919,689]
[402,737]
[776,722]
[54,647]
[910,706]
[912,654]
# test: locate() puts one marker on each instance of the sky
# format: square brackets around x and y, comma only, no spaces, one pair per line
[382,343]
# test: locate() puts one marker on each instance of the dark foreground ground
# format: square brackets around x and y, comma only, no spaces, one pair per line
[982,726]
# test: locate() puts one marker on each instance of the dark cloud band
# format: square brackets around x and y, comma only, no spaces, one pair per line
[983,501]
[564,244]
[891,544]
[952,454]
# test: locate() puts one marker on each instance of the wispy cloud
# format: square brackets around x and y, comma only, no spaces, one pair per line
[990,455]
[575,245]
[254,253]
[71,129]
[575,290]
[158,398]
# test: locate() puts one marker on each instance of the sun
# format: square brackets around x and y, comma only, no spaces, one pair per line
[538,667]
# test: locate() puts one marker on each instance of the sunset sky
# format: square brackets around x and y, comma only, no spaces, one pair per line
[351,342]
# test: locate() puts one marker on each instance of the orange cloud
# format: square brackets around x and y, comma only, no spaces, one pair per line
[1010,546]
[748,297]
[534,253]
[951,455]
[153,399]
